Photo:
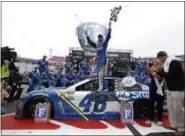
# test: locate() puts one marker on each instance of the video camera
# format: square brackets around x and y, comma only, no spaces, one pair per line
[8,53]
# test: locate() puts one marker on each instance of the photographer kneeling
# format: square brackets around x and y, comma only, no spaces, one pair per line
[14,80]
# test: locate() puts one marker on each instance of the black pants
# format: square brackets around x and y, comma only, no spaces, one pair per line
[154,97]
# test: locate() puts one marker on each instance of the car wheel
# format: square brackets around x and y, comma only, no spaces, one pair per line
[31,105]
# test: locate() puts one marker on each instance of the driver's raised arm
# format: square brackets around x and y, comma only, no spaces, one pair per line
[109,33]
[89,40]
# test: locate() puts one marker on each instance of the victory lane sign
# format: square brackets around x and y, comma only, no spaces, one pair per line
[127,112]
[42,112]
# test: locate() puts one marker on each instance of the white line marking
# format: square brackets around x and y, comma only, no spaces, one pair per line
[8,114]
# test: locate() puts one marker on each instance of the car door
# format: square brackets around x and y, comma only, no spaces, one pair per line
[82,101]
[108,100]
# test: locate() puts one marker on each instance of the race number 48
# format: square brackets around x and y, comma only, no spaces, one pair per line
[87,105]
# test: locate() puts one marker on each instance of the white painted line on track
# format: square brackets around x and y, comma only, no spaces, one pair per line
[146,130]
[8,114]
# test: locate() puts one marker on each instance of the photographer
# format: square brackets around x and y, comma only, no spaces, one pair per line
[10,73]
[4,69]
[156,92]
[14,79]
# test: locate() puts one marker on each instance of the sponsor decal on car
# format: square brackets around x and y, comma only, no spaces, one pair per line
[125,95]
[67,96]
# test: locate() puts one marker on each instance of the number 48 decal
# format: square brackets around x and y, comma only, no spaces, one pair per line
[98,107]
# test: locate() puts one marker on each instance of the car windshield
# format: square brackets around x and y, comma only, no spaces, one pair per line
[79,83]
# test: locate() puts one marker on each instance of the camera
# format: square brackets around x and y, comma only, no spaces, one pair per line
[8,53]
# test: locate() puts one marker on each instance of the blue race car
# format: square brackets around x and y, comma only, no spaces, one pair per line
[81,101]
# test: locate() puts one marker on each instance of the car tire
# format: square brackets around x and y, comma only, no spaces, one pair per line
[31,105]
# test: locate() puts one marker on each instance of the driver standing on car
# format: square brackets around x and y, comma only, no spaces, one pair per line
[105,85]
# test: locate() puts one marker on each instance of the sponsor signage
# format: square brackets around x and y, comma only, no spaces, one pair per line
[77,53]
[92,53]
[127,112]
[126,95]
[42,112]
[109,54]
[124,55]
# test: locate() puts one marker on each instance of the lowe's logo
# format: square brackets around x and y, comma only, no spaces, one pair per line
[132,95]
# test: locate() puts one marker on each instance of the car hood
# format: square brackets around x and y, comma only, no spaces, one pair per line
[47,90]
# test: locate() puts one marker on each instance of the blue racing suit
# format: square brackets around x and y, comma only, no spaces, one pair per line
[45,79]
[83,66]
[77,77]
[52,79]
[105,85]
[42,66]
[80,76]
[33,80]
[68,66]
[138,68]
[101,57]
[60,79]
[70,79]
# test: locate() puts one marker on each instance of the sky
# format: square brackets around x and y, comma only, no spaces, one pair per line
[33,28]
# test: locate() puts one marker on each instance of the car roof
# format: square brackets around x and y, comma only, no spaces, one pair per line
[105,77]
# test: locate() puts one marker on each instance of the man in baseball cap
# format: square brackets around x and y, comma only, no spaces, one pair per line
[174,76]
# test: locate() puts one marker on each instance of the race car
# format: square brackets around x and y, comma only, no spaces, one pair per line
[81,101]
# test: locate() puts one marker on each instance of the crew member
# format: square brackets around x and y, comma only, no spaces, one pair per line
[42,64]
[81,75]
[68,66]
[52,78]
[70,78]
[45,79]
[101,47]
[83,65]
[75,66]
[33,79]
[60,78]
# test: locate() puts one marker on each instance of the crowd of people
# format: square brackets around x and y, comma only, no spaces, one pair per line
[163,73]
[167,79]
[65,76]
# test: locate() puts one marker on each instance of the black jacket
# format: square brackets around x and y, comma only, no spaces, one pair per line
[175,76]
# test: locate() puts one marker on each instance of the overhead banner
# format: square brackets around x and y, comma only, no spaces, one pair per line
[78,54]
[109,54]
[57,60]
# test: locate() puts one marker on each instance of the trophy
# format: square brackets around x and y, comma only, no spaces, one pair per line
[93,29]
